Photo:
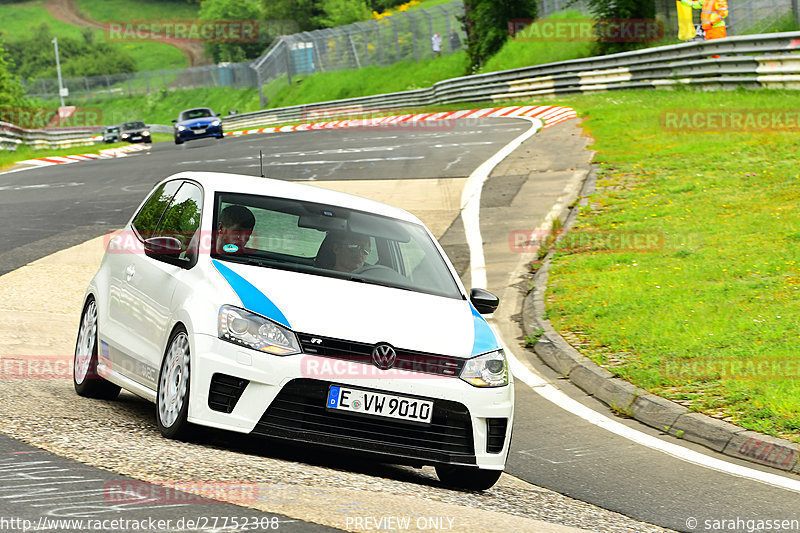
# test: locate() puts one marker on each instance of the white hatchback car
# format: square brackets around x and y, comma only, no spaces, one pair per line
[294,312]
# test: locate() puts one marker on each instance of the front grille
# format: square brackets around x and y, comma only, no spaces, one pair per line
[495,434]
[359,352]
[299,413]
[225,391]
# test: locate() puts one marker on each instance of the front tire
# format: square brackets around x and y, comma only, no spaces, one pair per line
[84,368]
[172,401]
[178,141]
[463,478]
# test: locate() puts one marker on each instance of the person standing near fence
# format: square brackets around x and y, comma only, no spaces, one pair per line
[436,44]
[712,16]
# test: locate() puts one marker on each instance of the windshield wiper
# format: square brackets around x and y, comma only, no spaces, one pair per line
[359,279]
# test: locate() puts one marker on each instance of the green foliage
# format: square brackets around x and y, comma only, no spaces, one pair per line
[11,92]
[520,52]
[621,9]
[341,12]
[306,13]
[234,10]
[532,338]
[486,25]
[35,56]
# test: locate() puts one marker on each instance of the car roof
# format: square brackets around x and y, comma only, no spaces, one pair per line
[244,184]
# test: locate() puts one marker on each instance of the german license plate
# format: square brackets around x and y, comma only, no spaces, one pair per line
[200,130]
[136,138]
[379,404]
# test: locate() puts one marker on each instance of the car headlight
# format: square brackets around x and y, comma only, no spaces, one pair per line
[181,128]
[253,331]
[216,123]
[487,370]
[125,135]
[146,133]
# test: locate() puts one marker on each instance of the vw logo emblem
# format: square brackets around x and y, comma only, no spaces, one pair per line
[383,356]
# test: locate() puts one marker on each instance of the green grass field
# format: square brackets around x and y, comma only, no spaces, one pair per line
[19,19]
[707,314]
[106,10]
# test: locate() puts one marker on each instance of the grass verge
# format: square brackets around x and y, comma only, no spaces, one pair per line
[8,159]
[683,275]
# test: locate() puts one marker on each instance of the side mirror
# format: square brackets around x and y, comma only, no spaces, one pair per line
[166,249]
[484,301]
[174,120]
[216,114]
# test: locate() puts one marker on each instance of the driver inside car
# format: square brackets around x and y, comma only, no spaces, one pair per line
[350,250]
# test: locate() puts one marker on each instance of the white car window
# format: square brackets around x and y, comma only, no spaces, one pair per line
[182,218]
[149,215]
[333,241]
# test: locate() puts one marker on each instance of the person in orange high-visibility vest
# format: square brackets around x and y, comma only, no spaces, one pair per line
[712,16]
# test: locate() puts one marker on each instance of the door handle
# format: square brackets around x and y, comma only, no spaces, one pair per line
[129,272]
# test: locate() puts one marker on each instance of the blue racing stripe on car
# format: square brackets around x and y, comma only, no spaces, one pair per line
[252,299]
[485,340]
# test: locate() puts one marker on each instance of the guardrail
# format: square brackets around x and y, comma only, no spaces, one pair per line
[749,61]
[12,136]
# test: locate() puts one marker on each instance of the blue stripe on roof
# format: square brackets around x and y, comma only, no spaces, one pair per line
[485,340]
[252,299]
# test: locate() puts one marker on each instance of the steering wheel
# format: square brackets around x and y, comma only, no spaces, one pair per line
[374,268]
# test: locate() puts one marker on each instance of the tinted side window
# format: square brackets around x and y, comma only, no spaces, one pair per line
[148,218]
[182,218]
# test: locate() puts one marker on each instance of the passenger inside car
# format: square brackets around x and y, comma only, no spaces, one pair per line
[235,226]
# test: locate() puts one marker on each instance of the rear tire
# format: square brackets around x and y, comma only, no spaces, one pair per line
[85,378]
[464,478]
[172,401]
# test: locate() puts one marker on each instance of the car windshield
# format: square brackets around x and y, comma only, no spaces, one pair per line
[133,125]
[331,241]
[190,114]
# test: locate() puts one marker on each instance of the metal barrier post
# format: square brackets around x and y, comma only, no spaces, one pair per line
[288,61]
[796,12]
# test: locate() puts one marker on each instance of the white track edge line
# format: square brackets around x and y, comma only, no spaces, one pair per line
[470,213]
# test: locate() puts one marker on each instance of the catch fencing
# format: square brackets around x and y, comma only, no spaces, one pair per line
[401,37]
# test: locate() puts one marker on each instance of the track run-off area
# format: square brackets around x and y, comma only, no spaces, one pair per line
[473,181]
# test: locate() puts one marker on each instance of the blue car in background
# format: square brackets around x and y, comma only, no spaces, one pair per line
[197,123]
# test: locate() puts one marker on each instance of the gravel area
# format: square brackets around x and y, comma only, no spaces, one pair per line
[305,484]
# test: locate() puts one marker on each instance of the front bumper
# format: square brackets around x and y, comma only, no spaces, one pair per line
[137,138]
[189,133]
[242,390]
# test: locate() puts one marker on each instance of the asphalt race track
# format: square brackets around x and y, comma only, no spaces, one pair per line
[44,210]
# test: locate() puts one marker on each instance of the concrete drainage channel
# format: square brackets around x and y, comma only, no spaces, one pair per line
[622,396]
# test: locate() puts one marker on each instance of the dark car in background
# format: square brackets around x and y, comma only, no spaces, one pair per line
[134,132]
[111,134]
[197,123]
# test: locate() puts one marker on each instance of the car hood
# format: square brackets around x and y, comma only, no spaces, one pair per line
[203,121]
[358,312]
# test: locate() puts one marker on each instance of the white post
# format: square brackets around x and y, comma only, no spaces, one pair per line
[58,69]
